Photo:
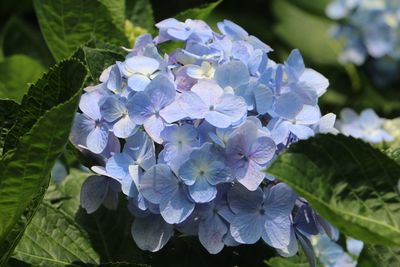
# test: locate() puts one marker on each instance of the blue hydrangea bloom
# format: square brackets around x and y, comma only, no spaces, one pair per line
[366,126]
[370,29]
[186,137]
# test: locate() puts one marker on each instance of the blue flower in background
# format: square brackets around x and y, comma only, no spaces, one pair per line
[366,126]
[369,29]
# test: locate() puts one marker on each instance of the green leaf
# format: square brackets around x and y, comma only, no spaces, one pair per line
[201,12]
[98,59]
[108,230]
[25,169]
[8,116]
[117,11]
[54,239]
[20,37]
[15,74]
[140,13]
[350,183]
[68,24]
[372,256]
[55,87]
[307,32]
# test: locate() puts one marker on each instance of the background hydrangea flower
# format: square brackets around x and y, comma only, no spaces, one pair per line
[367,126]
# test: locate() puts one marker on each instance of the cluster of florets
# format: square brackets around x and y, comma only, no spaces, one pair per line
[186,137]
[367,126]
[369,29]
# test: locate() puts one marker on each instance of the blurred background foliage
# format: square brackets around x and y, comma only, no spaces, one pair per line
[283,24]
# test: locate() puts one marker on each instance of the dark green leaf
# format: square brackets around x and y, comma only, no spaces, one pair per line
[140,13]
[201,12]
[54,239]
[98,59]
[15,74]
[20,37]
[372,256]
[117,11]
[68,24]
[55,87]
[350,183]
[308,33]
[286,262]
[8,116]
[108,230]
[25,169]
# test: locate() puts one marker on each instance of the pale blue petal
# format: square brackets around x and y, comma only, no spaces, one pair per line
[296,63]
[292,248]
[247,228]
[193,105]
[151,233]
[138,82]
[141,148]
[288,105]
[161,92]
[202,192]
[211,233]
[94,191]
[308,115]
[114,82]
[263,150]
[81,128]
[302,132]
[264,98]
[173,112]
[176,207]
[89,104]
[277,231]
[124,127]
[252,177]
[279,201]
[97,139]
[244,201]
[234,74]
[234,107]
[232,29]
[112,109]
[117,166]
[141,64]
[154,126]
[157,183]
[140,108]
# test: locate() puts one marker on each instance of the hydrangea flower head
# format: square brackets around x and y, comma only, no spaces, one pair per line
[367,126]
[369,29]
[185,136]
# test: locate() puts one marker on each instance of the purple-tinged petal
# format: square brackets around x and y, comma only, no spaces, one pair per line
[161,92]
[193,105]
[81,128]
[124,127]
